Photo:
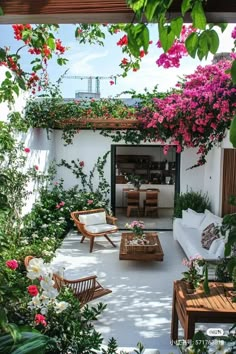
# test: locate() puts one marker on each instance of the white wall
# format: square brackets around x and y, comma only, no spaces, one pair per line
[41,154]
[87,146]
[190,178]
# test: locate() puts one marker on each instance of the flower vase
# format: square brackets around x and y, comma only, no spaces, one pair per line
[190,289]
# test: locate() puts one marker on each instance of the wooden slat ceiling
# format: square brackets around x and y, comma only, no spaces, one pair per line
[95,11]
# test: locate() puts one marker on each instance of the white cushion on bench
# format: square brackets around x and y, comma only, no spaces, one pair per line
[93,218]
[96,229]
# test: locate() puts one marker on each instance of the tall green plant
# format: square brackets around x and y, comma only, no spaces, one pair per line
[197,201]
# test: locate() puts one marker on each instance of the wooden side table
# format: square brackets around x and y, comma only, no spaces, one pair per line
[217,307]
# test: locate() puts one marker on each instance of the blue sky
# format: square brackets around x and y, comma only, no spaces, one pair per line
[104,61]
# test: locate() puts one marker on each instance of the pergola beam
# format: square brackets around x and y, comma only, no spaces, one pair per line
[94,11]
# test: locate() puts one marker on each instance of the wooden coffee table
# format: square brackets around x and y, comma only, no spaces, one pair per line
[151,252]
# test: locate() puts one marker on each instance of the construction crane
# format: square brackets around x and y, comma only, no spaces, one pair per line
[90,81]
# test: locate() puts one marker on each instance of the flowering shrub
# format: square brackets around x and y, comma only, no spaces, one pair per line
[196,116]
[192,275]
[136,227]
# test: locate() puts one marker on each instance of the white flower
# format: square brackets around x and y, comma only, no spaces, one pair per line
[45,239]
[35,302]
[45,298]
[34,235]
[24,242]
[47,282]
[60,306]
[44,226]
[36,268]
[51,293]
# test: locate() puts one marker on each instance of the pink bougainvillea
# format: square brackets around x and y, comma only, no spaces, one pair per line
[177,51]
[198,114]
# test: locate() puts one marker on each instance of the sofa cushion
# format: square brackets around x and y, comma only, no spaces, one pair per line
[216,246]
[93,218]
[209,234]
[209,219]
[96,229]
[192,219]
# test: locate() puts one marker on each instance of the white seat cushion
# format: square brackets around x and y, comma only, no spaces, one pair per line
[93,218]
[96,229]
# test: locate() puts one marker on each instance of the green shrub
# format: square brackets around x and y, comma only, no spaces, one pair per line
[194,200]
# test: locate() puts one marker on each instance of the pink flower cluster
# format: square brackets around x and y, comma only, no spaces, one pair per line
[197,115]
[177,51]
[59,205]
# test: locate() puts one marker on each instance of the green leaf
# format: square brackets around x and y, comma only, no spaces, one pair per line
[198,16]
[191,44]
[136,4]
[1,11]
[21,83]
[167,37]
[185,6]
[2,54]
[144,36]
[37,67]
[8,74]
[203,44]
[233,75]
[222,26]
[176,25]
[213,41]
[150,9]
[51,43]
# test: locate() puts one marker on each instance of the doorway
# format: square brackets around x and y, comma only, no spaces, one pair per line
[155,171]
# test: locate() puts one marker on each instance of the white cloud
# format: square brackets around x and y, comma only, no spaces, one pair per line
[84,63]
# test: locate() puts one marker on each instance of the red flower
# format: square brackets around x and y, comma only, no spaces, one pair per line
[27,150]
[124,61]
[112,82]
[36,167]
[62,203]
[40,319]
[33,290]
[123,41]
[81,163]
[141,53]
[89,201]
[12,264]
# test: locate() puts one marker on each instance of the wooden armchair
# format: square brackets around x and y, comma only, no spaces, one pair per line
[85,289]
[94,223]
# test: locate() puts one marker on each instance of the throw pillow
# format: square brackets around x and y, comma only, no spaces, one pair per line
[209,219]
[192,219]
[209,234]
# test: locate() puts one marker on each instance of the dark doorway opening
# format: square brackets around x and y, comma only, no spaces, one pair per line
[154,170]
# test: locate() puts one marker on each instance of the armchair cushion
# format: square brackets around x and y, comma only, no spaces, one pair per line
[96,229]
[93,219]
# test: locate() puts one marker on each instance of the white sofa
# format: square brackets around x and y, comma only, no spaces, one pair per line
[188,232]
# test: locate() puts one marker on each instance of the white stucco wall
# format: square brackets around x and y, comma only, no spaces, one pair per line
[87,146]
[190,178]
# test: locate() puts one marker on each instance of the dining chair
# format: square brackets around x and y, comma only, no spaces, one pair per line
[150,204]
[133,202]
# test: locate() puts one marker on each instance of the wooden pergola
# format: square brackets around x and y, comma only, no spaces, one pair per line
[97,11]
